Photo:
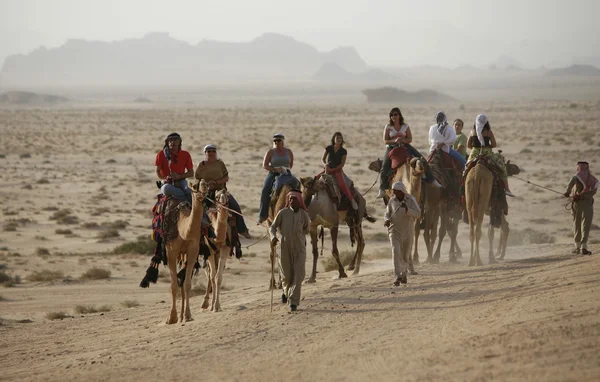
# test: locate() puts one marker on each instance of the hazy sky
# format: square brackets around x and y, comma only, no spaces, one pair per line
[385,33]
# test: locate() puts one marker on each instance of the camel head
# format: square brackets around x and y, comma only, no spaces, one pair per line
[376,165]
[308,185]
[199,189]
[222,197]
[512,169]
[417,166]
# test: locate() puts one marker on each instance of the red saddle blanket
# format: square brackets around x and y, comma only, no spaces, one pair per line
[398,156]
[448,162]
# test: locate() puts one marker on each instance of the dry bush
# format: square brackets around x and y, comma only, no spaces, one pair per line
[50,208]
[45,275]
[118,224]
[10,227]
[4,277]
[95,273]
[9,281]
[61,231]
[100,211]
[377,236]
[529,236]
[56,315]
[130,303]
[87,309]
[329,263]
[144,245]
[90,225]
[40,238]
[40,251]
[64,217]
[379,254]
[108,234]
[25,155]
[43,181]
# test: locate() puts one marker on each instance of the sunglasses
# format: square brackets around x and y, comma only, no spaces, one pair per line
[395,115]
[277,140]
[210,151]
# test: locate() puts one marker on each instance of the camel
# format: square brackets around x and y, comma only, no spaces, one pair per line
[323,212]
[216,262]
[478,191]
[410,174]
[185,247]
[449,215]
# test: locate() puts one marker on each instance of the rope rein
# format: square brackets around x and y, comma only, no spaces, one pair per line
[568,206]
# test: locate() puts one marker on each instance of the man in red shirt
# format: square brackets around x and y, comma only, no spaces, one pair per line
[173,165]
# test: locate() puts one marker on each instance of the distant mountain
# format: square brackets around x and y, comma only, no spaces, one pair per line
[332,72]
[29,98]
[390,95]
[159,59]
[506,62]
[575,70]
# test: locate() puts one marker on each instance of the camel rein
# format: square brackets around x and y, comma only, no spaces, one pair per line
[568,206]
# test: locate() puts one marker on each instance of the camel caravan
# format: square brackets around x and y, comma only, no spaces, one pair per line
[198,226]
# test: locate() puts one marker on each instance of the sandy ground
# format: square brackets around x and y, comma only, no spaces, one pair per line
[534,317]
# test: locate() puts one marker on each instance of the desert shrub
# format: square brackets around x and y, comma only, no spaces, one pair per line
[87,309]
[45,275]
[130,303]
[380,254]
[95,273]
[61,231]
[25,155]
[50,208]
[10,226]
[529,236]
[90,225]
[144,245]
[43,181]
[118,224]
[329,263]
[64,217]
[4,277]
[56,315]
[526,151]
[108,234]
[42,251]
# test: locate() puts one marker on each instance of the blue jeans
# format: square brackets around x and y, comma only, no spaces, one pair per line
[239,220]
[456,155]
[265,196]
[183,193]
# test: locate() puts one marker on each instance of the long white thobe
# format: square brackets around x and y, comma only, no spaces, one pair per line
[435,138]
[401,230]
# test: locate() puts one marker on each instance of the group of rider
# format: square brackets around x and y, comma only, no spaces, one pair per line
[174,165]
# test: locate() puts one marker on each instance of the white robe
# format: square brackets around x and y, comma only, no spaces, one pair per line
[436,138]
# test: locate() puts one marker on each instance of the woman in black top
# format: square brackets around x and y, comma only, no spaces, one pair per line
[334,159]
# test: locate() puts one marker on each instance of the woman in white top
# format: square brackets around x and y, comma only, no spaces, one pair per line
[395,134]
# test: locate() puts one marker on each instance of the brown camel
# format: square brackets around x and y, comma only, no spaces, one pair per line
[323,211]
[185,247]
[447,210]
[216,262]
[478,191]
[410,174]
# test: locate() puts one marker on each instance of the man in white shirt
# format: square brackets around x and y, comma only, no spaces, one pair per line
[400,214]
[442,135]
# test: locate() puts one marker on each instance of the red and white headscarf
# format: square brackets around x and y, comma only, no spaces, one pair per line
[298,196]
[588,180]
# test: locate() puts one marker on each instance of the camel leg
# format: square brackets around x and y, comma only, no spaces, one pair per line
[360,246]
[415,258]
[441,236]
[457,250]
[172,263]
[336,253]
[491,232]
[430,237]
[477,239]
[224,252]
[314,240]
[453,232]
[472,240]
[187,284]
[505,230]
[210,276]
[213,281]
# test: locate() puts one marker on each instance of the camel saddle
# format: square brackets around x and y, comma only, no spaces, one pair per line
[448,162]
[333,190]
[398,156]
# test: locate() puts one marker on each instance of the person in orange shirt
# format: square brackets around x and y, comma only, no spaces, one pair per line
[173,166]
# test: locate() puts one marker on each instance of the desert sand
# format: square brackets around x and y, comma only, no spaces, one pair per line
[79,183]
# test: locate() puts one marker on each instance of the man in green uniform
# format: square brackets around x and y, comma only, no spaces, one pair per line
[581,189]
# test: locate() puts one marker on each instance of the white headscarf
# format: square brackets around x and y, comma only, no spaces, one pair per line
[442,121]
[480,122]
[399,186]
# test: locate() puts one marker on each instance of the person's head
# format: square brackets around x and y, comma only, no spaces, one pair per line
[337,138]
[458,125]
[294,201]
[396,116]
[441,118]
[173,142]
[583,166]
[278,140]
[399,190]
[482,121]
[210,153]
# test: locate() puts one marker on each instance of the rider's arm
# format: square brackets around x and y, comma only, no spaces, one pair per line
[386,137]
[324,157]
[291,158]
[470,140]
[157,170]
[492,138]
[408,137]
[267,161]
